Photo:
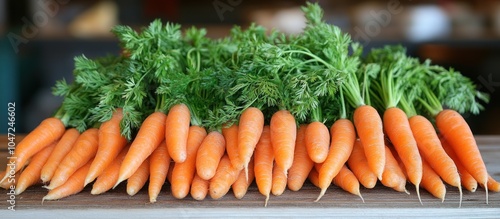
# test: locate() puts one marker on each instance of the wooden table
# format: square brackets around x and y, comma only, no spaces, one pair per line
[379,201]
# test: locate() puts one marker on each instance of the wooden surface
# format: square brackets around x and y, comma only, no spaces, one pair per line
[379,201]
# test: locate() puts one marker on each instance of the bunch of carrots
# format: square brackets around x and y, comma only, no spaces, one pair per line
[208,116]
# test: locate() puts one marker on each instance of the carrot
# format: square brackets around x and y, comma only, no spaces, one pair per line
[199,187]
[176,131]
[493,185]
[47,132]
[240,186]
[250,128]
[107,179]
[393,176]
[169,173]
[73,185]
[317,139]
[457,133]
[346,180]
[111,142]
[283,134]
[432,182]
[343,137]
[62,148]
[433,153]
[10,183]
[138,179]
[183,173]
[313,177]
[150,135]
[209,154]
[231,137]
[31,174]
[263,163]
[302,163]
[84,150]
[359,166]
[225,176]
[159,165]
[370,131]
[279,181]
[466,179]
[397,127]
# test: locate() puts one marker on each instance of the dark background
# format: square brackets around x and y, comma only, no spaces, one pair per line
[464,35]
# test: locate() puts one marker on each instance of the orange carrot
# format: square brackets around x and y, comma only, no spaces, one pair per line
[283,135]
[169,173]
[138,179]
[225,176]
[31,174]
[240,186]
[183,173]
[47,132]
[457,133]
[317,139]
[393,176]
[231,137]
[10,182]
[433,153]
[150,135]
[302,163]
[159,164]
[73,185]
[111,142]
[84,150]
[263,163]
[397,127]
[279,181]
[466,180]
[62,148]
[108,178]
[313,177]
[199,188]
[493,185]
[209,154]
[432,182]
[359,166]
[347,181]
[343,137]
[370,131]
[176,131]
[250,128]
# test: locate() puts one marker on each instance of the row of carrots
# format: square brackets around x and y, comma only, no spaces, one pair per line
[276,155]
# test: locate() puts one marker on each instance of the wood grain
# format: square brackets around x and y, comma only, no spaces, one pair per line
[379,201]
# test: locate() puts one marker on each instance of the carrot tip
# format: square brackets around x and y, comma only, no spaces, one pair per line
[461,194]
[118,182]
[48,187]
[267,199]
[95,192]
[486,189]
[406,191]
[360,196]
[418,194]
[4,177]
[87,181]
[323,191]
[131,191]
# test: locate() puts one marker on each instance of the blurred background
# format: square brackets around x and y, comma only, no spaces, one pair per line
[39,38]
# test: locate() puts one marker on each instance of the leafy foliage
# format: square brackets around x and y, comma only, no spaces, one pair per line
[310,74]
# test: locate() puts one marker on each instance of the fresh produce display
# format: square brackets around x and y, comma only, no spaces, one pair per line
[209,115]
